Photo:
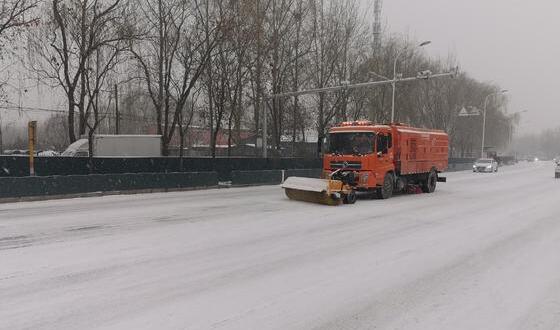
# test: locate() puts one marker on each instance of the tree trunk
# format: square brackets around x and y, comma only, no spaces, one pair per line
[71,108]
[91,164]
[230,122]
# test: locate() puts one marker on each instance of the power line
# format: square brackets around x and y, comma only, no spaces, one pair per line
[16,108]
[31,109]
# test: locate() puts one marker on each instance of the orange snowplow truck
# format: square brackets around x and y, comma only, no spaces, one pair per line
[362,156]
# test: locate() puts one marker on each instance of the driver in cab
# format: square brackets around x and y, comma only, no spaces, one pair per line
[362,143]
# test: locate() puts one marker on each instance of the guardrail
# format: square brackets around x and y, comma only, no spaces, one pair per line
[82,184]
[64,185]
[17,166]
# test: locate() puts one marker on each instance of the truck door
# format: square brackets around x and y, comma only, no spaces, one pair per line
[384,153]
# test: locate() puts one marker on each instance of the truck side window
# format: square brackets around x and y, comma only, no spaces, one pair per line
[382,143]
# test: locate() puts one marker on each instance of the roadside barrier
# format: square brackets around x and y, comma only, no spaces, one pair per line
[82,184]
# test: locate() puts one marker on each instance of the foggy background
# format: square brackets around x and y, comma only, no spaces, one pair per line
[511,42]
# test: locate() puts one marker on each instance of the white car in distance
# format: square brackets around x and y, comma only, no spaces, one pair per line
[488,165]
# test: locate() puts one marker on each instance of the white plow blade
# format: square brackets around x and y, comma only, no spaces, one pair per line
[306,184]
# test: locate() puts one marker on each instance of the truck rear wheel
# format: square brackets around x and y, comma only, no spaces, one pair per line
[386,191]
[429,185]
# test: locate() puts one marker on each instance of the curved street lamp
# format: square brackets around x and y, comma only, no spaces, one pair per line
[514,116]
[422,44]
[484,118]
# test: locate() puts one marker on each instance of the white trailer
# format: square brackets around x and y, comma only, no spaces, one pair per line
[117,146]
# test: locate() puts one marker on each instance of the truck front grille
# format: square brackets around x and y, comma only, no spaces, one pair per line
[349,165]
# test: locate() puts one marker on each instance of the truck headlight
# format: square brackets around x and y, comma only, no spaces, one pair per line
[364,178]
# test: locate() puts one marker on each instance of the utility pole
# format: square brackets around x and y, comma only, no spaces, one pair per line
[117,116]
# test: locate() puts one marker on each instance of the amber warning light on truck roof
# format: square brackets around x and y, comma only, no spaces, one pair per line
[365,123]
[357,123]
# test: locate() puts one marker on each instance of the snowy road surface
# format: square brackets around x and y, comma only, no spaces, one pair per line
[483,252]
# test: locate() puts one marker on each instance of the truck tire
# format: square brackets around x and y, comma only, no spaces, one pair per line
[350,198]
[386,191]
[429,185]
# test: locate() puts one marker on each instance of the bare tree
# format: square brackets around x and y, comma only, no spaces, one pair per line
[180,39]
[213,61]
[326,52]
[61,48]
[234,60]
[99,77]
[256,14]
[15,14]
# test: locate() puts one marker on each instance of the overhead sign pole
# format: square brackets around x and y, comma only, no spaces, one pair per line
[421,76]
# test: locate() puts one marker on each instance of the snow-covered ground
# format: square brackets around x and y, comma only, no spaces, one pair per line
[483,252]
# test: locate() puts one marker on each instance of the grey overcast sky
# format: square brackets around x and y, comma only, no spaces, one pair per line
[511,42]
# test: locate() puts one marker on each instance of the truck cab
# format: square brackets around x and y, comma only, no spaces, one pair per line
[367,151]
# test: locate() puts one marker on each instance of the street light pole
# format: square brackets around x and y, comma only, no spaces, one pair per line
[514,116]
[394,83]
[484,119]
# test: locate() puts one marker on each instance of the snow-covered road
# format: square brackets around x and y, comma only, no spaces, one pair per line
[483,252]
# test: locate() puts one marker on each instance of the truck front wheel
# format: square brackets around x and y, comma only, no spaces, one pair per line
[386,191]
[350,198]
[429,185]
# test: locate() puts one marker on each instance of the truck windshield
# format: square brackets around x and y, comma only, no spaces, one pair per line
[355,143]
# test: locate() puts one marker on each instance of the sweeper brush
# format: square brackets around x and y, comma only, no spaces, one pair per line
[320,191]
